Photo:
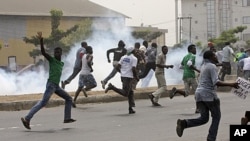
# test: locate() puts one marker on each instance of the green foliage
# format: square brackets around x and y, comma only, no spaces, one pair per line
[82,33]
[186,42]
[199,45]
[248,43]
[146,35]
[58,37]
[228,36]
[0,46]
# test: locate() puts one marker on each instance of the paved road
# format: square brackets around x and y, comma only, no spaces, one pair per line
[110,121]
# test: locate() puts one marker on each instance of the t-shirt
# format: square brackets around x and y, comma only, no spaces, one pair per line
[55,70]
[187,71]
[80,52]
[161,60]
[151,54]
[85,68]
[127,62]
[227,51]
[118,53]
[238,56]
[245,63]
[206,90]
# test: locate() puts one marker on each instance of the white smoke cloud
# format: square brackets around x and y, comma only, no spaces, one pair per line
[30,82]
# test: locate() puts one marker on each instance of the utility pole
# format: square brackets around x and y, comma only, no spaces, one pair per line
[176,21]
[190,22]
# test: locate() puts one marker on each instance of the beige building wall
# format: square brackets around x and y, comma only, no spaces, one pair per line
[19,49]
[197,9]
[238,13]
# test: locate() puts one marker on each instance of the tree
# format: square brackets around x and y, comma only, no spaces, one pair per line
[146,35]
[227,36]
[57,36]
[241,29]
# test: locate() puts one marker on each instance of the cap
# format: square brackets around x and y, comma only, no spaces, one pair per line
[130,49]
[143,48]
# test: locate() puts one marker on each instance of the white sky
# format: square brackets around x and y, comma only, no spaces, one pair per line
[157,13]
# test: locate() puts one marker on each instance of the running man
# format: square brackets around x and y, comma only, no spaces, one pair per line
[127,68]
[52,86]
[78,64]
[86,78]
[118,53]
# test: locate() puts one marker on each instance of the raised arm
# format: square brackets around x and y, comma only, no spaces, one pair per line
[108,52]
[39,36]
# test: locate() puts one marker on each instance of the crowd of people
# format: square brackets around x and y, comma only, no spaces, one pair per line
[134,63]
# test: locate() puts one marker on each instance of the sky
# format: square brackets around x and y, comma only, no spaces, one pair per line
[160,13]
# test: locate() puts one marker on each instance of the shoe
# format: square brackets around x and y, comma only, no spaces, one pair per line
[73,104]
[131,111]
[69,120]
[108,88]
[197,111]
[63,84]
[156,104]
[84,92]
[151,97]
[172,93]
[181,124]
[186,95]
[103,84]
[26,123]
[244,121]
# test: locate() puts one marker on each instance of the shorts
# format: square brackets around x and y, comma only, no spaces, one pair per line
[86,80]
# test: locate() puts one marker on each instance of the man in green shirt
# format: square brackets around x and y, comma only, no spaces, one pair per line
[52,86]
[188,65]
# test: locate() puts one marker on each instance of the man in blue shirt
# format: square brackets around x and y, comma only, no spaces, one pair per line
[206,98]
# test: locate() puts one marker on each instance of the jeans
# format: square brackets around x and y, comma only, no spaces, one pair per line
[126,90]
[148,67]
[73,75]
[111,75]
[50,89]
[226,69]
[205,107]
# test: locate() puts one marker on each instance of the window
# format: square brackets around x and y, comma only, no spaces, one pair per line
[195,22]
[6,45]
[12,63]
[236,19]
[196,37]
[246,37]
[195,5]
[245,2]
[246,20]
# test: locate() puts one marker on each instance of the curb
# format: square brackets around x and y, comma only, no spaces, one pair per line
[101,97]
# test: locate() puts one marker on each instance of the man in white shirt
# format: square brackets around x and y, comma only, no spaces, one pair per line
[127,68]
[244,65]
[226,65]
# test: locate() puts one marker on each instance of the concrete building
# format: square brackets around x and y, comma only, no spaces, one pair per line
[201,20]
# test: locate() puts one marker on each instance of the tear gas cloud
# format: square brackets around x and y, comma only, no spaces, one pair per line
[30,82]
